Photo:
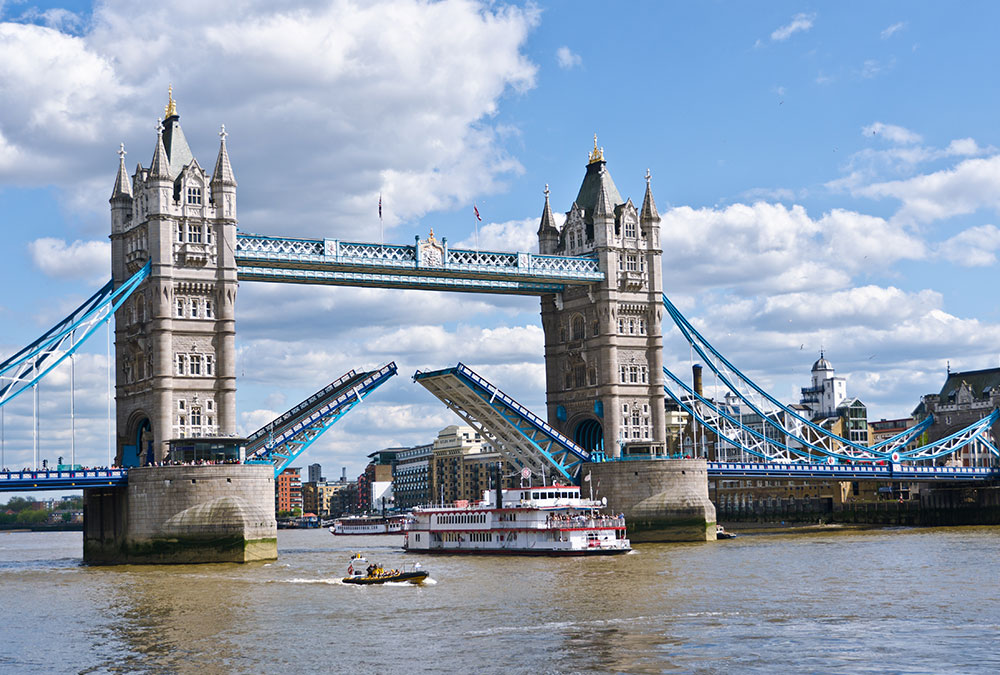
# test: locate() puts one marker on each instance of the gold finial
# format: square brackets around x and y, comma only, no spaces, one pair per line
[597,155]
[171,109]
[431,238]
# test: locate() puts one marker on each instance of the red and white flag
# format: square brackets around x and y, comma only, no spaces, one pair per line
[476,210]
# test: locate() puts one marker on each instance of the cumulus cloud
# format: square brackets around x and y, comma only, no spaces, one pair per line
[800,23]
[892,133]
[971,185]
[974,247]
[771,248]
[87,260]
[567,59]
[511,235]
[314,109]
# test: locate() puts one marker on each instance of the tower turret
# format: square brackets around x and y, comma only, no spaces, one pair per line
[548,235]
[121,195]
[223,181]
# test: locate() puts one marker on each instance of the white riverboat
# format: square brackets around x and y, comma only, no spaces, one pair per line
[552,520]
[368,525]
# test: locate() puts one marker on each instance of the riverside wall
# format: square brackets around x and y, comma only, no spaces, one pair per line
[183,514]
[936,506]
[663,499]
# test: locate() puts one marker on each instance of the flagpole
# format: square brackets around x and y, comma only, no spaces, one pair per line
[381,229]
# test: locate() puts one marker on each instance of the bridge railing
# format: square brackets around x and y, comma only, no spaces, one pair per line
[261,249]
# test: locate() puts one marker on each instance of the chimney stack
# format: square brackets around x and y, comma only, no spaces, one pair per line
[696,376]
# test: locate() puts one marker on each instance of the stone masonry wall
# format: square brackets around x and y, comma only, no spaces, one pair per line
[663,500]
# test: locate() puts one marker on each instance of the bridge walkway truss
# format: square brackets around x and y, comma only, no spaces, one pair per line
[527,440]
[281,441]
[342,263]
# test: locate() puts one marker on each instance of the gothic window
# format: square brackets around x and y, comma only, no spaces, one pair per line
[209,309]
[209,403]
[194,308]
[194,233]
[631,263]
[180,404]
[182,421]
[642,326]
[621,326]
[593,377]
[196,417]
[630,229]
[580,375]
[195,361]
[208,234]
[631,326]
[595,329]
[194,195]
[578,329]
[180,307]
[208,371]
[623,373]
[181,359]
[180,232]
[569,380]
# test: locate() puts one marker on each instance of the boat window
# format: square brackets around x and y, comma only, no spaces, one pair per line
[534,495]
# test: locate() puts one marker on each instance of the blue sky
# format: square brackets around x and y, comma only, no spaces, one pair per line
[827,175]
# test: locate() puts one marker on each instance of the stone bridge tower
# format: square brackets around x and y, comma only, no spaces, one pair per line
[603,343]
[174,337]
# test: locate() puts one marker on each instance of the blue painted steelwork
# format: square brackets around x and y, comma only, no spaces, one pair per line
[283,440]
[14,481]
[899,440]
[25,368]
[887,449]
[511,428]
[887,471]
[334,262]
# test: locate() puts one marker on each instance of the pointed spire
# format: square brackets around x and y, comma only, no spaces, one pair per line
[160,167]
[223,174]
[604,206]
[548,222]
[123,186]
[648,205]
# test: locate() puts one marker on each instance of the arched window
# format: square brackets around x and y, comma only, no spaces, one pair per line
[578,328]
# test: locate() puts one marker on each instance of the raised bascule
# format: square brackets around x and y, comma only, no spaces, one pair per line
[177,260]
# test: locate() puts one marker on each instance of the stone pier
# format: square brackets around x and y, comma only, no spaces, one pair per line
[183,514]
[663,499]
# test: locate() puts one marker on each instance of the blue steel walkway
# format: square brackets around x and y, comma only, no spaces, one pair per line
[425,265]
[32,480]
[794,471]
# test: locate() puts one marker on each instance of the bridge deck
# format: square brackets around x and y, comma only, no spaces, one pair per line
[341,263]
[13,481]
[851,471]
[288,436]
[526,439]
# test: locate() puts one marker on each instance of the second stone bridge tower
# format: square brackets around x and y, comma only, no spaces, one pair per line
[603,343]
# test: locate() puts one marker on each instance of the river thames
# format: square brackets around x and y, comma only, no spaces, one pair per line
[890,600]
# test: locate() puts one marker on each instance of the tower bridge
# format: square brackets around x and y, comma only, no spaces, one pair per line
[177,259]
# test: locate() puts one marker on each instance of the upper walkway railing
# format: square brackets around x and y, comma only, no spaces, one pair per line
[428,264]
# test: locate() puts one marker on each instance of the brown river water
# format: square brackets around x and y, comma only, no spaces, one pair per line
[833,601]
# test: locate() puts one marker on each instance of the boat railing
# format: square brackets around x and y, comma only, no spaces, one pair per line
[562,522]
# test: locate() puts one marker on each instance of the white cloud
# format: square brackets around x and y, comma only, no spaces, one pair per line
[511,235]
[87,260]
[771,248]
[969,186]
[873,67]
[974,247]
[567,59]
[405,110]
[892,133]
[892,30]
[800,22]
